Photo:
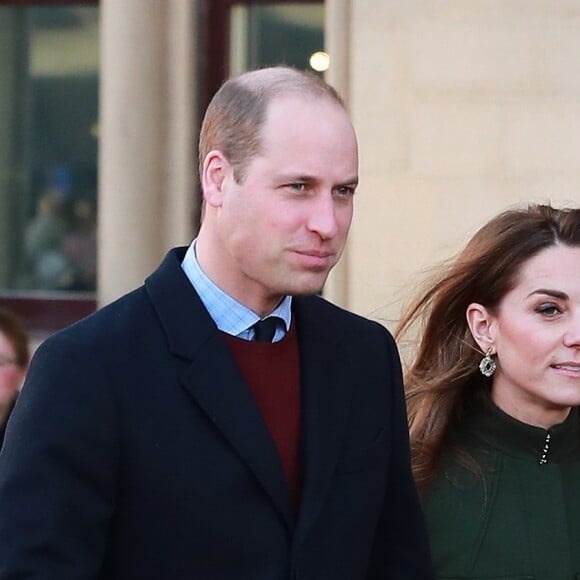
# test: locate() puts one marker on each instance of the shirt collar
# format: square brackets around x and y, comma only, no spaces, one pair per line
[229,315]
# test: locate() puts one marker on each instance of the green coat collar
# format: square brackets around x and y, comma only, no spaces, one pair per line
[512,437]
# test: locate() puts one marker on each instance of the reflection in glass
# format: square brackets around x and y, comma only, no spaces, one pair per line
[48,148]
[275,33]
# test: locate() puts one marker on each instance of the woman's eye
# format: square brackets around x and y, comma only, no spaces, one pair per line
[548,309]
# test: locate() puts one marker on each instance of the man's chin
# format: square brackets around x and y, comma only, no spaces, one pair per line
[306,292]
[308,288]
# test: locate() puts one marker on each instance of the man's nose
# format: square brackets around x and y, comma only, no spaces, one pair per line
[322,219]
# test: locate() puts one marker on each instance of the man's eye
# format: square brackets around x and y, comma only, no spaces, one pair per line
[345,191]
[297,186]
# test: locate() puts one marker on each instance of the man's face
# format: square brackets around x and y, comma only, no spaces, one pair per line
[284,227]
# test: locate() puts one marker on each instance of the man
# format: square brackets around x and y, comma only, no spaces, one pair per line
[158,439]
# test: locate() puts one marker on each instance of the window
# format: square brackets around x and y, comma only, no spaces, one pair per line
[48,161]
[274,33]
[236,36]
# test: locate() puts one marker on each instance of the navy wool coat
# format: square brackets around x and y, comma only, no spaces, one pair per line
[136,451]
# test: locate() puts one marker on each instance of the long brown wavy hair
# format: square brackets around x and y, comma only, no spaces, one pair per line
[447,358]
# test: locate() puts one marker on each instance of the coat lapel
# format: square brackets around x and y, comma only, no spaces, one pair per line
[326,391]
[214,380]
[219,389]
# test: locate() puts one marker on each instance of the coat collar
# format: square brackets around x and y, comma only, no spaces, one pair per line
[489,423]
[185,321]
[217,386]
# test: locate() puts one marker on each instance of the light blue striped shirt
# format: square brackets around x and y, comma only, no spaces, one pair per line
[229,315]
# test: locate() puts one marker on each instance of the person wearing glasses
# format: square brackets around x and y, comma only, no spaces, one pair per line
[14,354]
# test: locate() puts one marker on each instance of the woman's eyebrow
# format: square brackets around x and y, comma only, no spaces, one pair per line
[550,292]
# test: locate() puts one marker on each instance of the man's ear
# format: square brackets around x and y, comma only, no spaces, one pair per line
[482,326]
[215,169]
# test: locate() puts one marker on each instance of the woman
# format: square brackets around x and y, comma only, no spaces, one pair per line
[493,395]
[14,355]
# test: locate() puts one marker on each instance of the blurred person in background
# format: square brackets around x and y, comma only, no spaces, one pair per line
[14,355]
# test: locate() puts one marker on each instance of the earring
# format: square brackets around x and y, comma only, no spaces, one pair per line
[487,365]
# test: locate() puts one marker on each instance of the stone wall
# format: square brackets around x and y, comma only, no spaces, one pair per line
[463,108]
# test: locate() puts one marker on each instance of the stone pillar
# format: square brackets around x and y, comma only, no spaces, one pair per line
[146,163]
[337,45]
[182,201]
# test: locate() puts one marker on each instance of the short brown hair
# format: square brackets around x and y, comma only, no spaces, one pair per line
[14,330]
[236,114]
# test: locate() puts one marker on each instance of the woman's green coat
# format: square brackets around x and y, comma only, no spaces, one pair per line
[519,518]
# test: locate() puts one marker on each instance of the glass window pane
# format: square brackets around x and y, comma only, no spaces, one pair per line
[48,148]
[275,33]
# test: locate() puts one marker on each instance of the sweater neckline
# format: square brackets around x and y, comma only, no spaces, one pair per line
[265,348]
[498,429]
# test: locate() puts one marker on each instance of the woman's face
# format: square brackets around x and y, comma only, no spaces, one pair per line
[11,375]
[536,337]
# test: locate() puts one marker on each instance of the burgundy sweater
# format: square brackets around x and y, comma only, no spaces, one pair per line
[272,372]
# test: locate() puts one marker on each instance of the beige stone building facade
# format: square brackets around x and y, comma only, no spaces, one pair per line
[462,108]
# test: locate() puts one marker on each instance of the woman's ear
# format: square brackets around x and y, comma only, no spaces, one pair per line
[481,325]
[213,175]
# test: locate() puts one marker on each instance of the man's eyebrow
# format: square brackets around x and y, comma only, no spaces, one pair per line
[555,293]
[298,176]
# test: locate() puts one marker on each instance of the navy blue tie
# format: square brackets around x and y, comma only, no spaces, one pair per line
[264,330]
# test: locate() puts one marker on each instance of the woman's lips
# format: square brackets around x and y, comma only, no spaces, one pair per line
[568,368]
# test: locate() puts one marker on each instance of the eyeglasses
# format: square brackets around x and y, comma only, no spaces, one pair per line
[7,361]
